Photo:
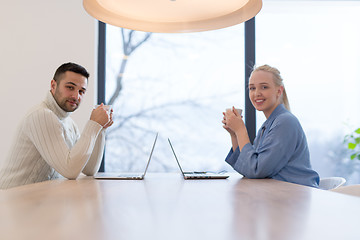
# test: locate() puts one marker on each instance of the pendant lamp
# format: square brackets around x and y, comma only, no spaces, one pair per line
[172,16]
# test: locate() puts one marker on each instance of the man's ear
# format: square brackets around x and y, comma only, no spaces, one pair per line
[53,85]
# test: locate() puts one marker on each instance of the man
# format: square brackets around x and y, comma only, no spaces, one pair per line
[48,142]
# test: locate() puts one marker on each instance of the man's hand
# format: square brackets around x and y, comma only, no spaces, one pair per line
[101,116]
[110,121]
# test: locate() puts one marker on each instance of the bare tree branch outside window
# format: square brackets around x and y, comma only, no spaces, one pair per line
[163,94]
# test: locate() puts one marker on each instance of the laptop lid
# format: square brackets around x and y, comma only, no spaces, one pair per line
[197,175]
[152,150]
[128,176]
[176,157]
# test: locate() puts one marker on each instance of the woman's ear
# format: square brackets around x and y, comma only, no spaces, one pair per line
[280,90]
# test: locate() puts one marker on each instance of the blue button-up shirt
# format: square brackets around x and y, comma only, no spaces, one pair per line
[280,152]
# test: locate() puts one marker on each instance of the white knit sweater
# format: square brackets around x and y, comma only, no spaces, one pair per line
[48,143]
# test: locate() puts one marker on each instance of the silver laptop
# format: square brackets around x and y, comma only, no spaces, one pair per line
[127,176]
[197,175]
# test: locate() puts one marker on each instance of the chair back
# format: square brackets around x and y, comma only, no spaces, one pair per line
[331,183]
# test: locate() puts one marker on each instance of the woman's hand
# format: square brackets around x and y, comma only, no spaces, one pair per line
[235,125]
[233,121]
[226,127]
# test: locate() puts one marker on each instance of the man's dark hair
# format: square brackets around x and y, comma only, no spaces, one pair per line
[72,67]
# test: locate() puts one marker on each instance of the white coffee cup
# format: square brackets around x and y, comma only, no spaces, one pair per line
[106,107]
[239,110]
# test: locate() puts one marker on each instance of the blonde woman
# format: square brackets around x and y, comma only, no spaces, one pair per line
[280,149]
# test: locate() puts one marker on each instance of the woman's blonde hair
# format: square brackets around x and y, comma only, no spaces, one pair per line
[277,80]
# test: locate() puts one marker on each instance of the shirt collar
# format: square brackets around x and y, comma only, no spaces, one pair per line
[277,111]
[53,106]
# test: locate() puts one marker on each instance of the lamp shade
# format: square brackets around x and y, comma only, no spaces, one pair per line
[173,16]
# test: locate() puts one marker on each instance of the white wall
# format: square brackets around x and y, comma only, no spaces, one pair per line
[36,37]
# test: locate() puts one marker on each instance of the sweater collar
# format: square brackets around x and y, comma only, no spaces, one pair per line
[53,106]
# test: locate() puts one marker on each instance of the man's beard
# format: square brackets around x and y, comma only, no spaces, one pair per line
[64,107]
[62,102]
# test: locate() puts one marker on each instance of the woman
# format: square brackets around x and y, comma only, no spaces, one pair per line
[280,149]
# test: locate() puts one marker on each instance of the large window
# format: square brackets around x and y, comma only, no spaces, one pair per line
[177,85]
[315,45]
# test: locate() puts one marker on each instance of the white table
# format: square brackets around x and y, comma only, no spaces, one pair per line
[165,206]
